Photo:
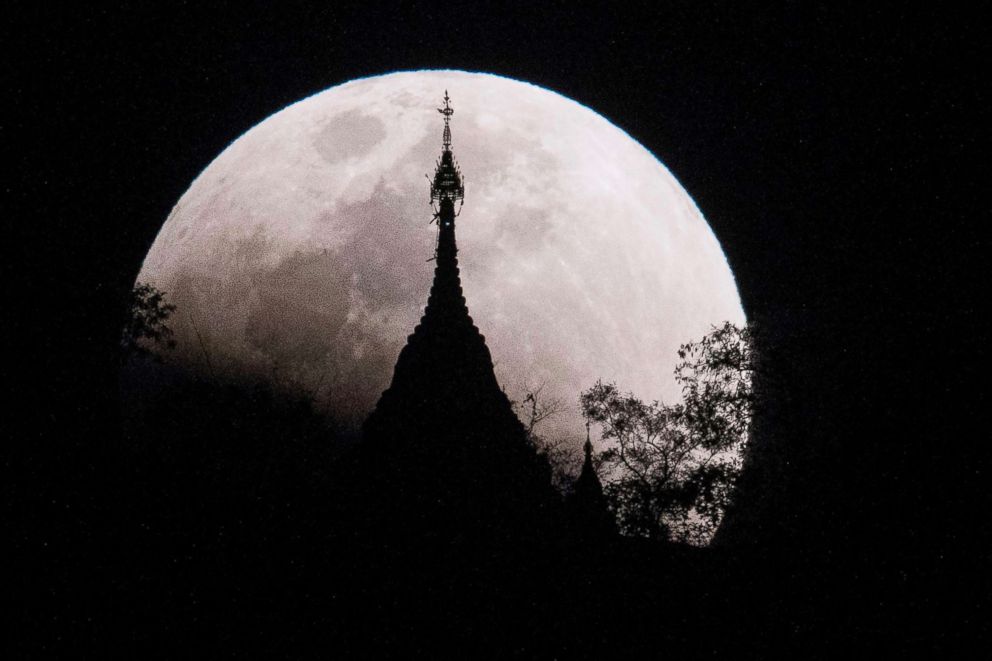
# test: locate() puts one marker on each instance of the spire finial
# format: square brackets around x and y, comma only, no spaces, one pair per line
[447,111]
[588,445]
[447,183]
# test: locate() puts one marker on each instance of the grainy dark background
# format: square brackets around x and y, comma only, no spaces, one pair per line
[832,150]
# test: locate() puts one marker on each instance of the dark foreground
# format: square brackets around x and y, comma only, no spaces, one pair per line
[195,535]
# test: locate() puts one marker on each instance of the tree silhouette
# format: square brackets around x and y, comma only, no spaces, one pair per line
[145,327]
[671,468]
[565,461]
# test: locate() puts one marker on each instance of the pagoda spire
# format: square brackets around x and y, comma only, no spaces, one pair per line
[447,185]
[446,362]
[587,464]
[447,111]
[588,505]
[448,450]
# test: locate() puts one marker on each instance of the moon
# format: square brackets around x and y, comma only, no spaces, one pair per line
[300,254]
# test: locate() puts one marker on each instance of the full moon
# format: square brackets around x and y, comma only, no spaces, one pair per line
[301,253]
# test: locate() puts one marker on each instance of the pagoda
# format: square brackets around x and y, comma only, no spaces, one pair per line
[444,434]
[587,505]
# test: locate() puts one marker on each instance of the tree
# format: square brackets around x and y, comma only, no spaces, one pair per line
[562,457]
[145,327]
[671,469]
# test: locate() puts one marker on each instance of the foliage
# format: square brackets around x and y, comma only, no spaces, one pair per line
[145,327]
[562,457]
[671,468]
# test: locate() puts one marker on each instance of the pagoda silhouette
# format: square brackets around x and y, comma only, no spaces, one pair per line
[586,506]
[444,442]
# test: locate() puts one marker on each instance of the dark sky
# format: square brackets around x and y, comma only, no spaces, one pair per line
[829,148]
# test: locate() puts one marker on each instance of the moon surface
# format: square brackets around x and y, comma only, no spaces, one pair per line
[300,254]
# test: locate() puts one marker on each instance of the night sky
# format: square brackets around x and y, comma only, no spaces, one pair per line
[830,150]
